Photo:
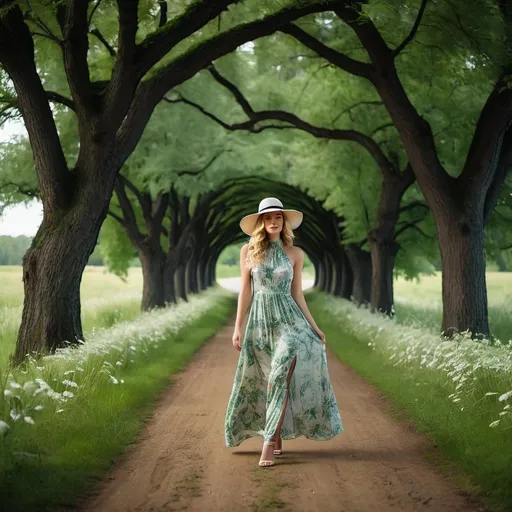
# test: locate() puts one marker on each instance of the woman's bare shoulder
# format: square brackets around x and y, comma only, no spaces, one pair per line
[297,251]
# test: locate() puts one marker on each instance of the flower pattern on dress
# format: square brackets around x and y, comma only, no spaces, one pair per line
[277,332]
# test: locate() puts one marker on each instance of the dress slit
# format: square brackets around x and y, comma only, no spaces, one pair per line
[285,400]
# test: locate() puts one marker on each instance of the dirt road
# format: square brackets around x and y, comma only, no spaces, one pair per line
[181,462]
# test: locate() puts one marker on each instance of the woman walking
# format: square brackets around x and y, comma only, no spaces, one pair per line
[281,388]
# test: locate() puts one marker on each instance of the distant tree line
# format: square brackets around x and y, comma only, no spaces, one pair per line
[12,249]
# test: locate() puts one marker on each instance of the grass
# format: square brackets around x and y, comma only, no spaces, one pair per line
[105,300]
[419,303]
[443,386]
[63,454]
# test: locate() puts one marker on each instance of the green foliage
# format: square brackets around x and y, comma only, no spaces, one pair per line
[115,248]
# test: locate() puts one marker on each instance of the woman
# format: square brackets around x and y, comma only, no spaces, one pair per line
[281,388]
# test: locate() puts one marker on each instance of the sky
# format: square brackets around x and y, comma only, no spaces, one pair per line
[20,219]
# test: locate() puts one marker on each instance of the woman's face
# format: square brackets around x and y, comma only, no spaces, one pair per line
[273,222]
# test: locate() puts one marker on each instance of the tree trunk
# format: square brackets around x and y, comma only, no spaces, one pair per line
[338,275]
[169,283]
[181,282]
[210,271]
[383,255]
[192,273]
[361,263]
[347,285]
[464,285]
[52,273]
[321,274]
[153,288]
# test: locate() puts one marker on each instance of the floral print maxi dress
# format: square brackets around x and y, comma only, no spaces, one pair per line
[277,333]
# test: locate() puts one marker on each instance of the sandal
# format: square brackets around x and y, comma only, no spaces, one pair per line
[266,463]
[279,451]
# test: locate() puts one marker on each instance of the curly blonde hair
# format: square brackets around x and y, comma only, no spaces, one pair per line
[259,241]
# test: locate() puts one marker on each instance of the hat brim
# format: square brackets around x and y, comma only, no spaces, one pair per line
[248,223]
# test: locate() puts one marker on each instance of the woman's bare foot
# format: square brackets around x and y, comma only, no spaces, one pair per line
[267,457]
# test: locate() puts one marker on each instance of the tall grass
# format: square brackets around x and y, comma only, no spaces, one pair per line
[419,303]
[105,300]
[65,416]
[458,391]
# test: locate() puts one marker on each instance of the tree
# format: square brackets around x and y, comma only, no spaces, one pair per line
[113,97]
[460,205]
[377,286]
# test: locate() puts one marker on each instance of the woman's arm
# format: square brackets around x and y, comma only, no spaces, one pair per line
[244,298]
[296,290]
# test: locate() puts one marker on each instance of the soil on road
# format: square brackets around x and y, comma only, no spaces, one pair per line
[180,462]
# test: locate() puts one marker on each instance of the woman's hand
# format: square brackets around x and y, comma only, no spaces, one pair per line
[320,334]
[236,339]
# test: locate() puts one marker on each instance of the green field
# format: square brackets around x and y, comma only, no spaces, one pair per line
[419,303]
[105,298]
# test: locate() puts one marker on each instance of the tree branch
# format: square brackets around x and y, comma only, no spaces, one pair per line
[380,128]
[160,207]
[340,60]
[117,217]
[183,67]
[411,206]
[59,98]
[487,147]
[413,31]
[73,21]
[504,166]
[358,104]
[93,10]
[47,33]
[326,133]
[157,45]
[413,225]
[17,56]
[103,41]
[195,172]
[120,91]
[143,199]
[163,13]
[129,218]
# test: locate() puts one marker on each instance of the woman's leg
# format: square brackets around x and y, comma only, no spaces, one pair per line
[267,451]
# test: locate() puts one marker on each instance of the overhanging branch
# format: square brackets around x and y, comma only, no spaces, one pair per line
[413,31]
[340,60]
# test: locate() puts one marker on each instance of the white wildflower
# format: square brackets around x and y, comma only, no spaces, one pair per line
[15,415]
[68,394]
[494,424]
[70,383]
[30,387]
[29,420]
[4,428]
[505,396]
[8,392]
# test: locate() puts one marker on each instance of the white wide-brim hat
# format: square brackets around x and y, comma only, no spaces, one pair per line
[270,204]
